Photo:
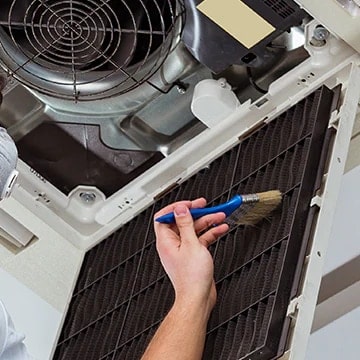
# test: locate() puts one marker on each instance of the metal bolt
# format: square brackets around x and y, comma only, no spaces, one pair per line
[181,89]
[320,33]
[88,197]
[222,82]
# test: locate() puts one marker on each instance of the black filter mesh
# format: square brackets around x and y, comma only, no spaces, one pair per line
[123,294]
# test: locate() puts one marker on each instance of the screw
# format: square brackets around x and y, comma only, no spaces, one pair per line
[181,89]
[320,33]
[88,197]
[222,82]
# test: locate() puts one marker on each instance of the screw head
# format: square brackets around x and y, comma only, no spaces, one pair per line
[181,89]
[320,33]
[87,197]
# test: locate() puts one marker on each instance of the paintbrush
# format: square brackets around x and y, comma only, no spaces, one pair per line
[240,209]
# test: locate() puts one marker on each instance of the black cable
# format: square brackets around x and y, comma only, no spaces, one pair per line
[3,83]
[178,83]
[253,83]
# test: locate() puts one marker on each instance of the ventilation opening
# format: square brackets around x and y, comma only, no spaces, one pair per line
[86,42]
[281,7]
[248,58]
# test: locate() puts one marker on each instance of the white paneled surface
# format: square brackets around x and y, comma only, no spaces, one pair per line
[354,151]
[36,282]
[33,316]
[338,340]
[344,243]
[48,266]
[353,159]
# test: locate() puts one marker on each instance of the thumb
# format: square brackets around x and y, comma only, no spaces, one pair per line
[185,223]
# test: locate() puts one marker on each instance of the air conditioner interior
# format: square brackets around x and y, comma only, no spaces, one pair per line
[106,138]
[114,121]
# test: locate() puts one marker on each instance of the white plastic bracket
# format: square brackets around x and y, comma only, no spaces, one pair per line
[316,201]
[293,307]
[334,120]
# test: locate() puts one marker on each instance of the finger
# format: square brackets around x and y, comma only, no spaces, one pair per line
[207,221]
[166,240]
[197,203]
[166,233]
[185,223]
[170,208]
[167,243]
[213,234]
[162,230]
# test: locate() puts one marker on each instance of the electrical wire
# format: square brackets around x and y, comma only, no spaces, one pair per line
[253,83]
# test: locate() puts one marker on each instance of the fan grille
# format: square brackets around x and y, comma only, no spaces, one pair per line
[89,48]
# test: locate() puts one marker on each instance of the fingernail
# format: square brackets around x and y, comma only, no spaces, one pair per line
[180,210]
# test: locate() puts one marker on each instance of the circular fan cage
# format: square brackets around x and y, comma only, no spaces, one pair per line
[87,49]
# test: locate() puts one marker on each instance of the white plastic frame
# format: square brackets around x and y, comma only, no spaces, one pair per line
[86,224]
[303,307]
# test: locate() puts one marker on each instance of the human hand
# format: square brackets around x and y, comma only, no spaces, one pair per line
[184,254]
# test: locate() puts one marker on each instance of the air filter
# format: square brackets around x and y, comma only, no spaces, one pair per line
[89,49]
[123,294]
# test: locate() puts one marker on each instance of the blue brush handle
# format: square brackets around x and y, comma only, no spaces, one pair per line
[228,208]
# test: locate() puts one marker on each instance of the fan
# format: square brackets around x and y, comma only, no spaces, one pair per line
[88,49]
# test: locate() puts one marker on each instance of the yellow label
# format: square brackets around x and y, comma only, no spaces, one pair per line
[237,19]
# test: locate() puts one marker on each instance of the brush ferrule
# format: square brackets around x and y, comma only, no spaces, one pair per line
[250,198]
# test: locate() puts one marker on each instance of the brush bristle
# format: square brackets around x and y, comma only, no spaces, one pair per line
[252,213]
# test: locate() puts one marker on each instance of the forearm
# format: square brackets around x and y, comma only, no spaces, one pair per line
[190,267]
[181,335]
